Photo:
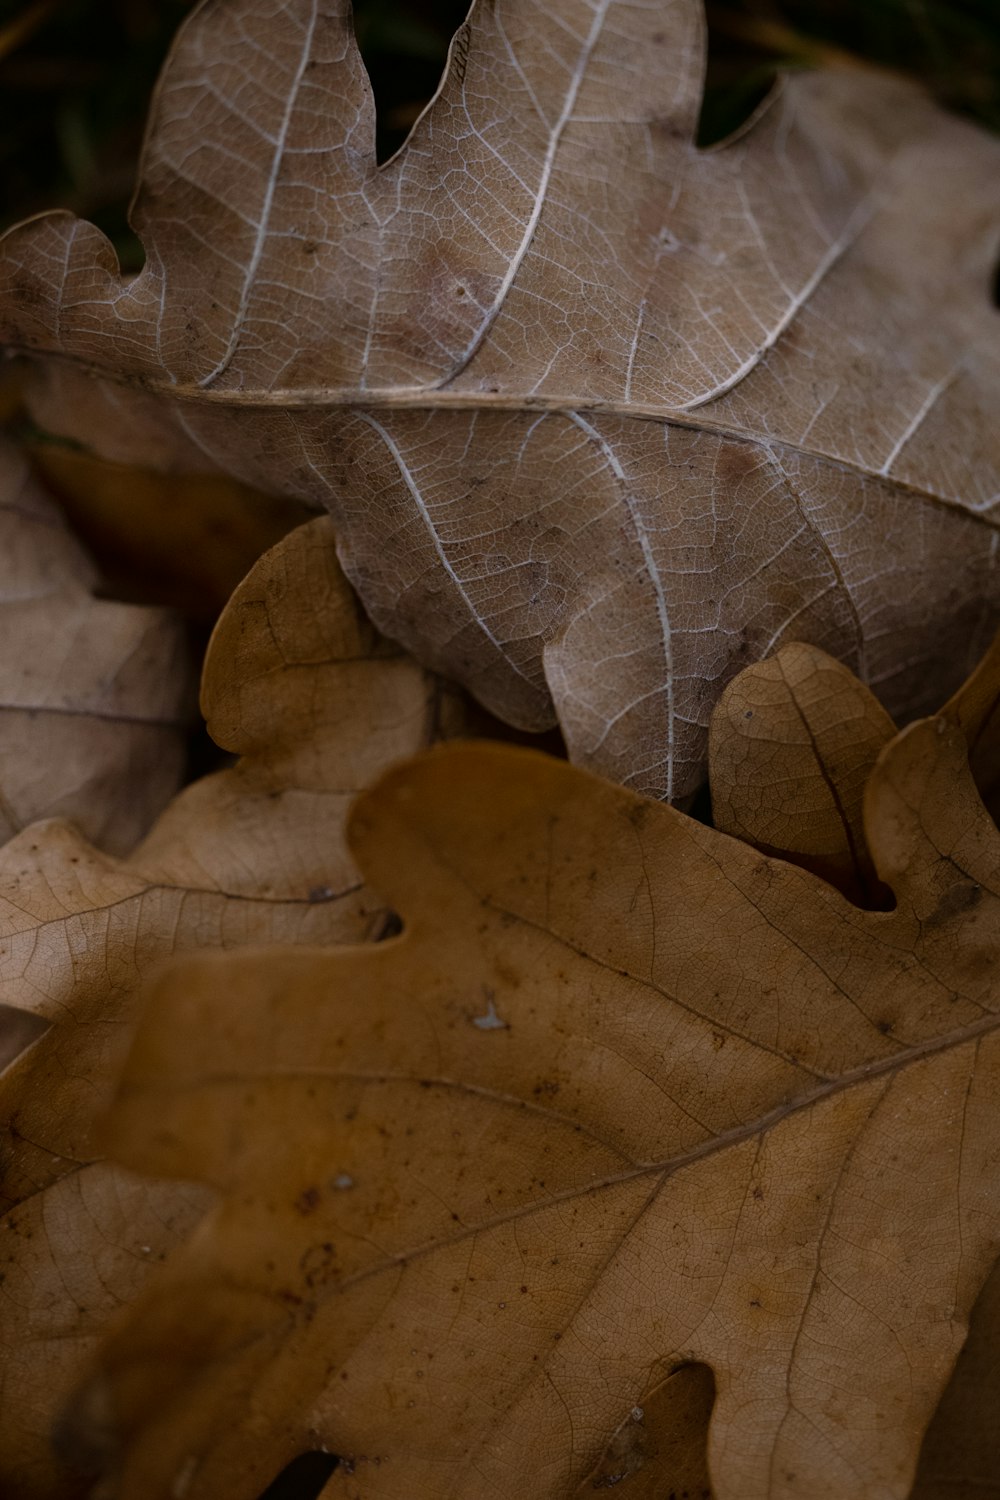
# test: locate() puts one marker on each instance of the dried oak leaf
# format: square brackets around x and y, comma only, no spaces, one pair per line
[185,540]
[300,686]
[803,718]
[792,743]
[94,695]
[625,1095]
[793,740]
[601,417]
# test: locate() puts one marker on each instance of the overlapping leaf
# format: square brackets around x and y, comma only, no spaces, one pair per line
[601,417]
[793,739]
[793,742]
[301,687]
[624,1096]
[94,695]
[185,540]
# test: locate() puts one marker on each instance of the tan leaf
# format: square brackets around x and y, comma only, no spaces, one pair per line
[601,417]
[253,854]
[792,743]
[625,1095]
[960,1458]
[182,540]
[94,695]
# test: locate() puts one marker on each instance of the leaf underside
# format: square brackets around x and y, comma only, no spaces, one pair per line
[600,417]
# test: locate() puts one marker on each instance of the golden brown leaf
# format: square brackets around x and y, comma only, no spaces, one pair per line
[960,1458]
[181,540]
[601,417]
[624,1095]
[253,854]
[94,695]
[792,743]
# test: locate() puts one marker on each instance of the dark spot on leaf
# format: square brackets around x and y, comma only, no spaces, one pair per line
[667,127]
[961,897]
[318,1264]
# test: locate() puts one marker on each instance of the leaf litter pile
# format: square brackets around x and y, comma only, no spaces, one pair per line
[396,1110]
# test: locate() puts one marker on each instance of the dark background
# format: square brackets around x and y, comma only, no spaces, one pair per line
[75,77]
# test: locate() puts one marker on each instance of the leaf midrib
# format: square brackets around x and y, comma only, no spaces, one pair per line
[427,399]
[665,1167]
